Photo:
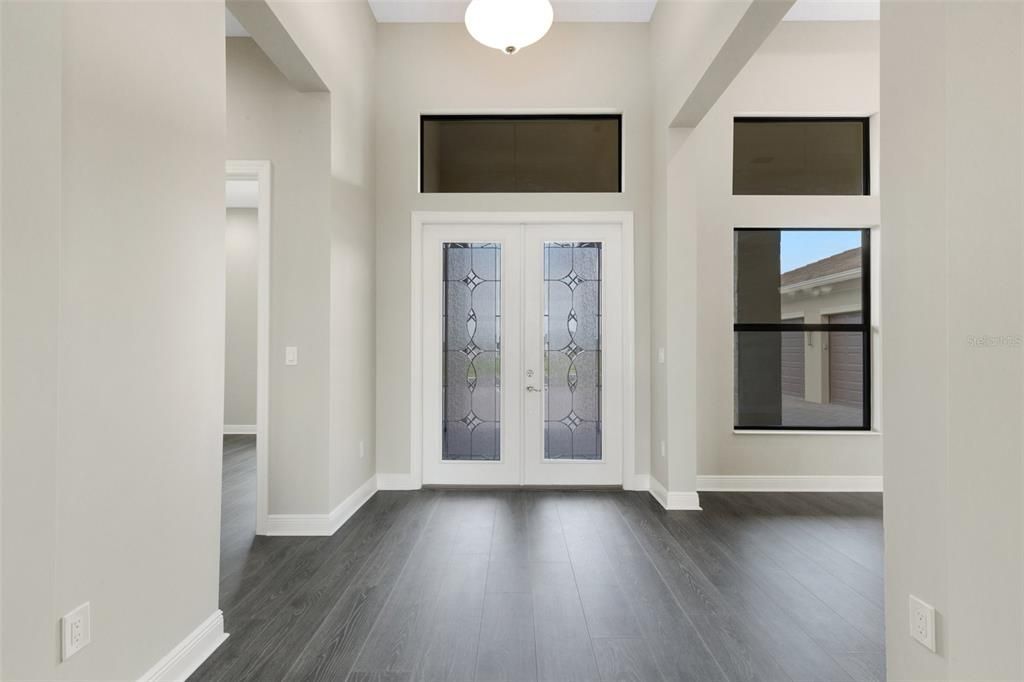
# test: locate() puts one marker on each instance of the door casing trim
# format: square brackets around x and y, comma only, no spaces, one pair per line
[624,219]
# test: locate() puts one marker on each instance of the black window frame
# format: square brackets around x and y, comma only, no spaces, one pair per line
[864,327]
[524,117]
[865,122]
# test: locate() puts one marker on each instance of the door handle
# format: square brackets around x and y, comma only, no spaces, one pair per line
[533,389]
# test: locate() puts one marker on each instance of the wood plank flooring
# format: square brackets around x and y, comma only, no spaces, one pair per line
[531,585]
[238,510]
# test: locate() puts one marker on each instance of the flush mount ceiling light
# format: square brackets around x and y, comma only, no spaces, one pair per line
[508,25]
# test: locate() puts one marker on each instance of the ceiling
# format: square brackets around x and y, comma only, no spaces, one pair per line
[424,11]
[429,11]
[834,10]
[417,11]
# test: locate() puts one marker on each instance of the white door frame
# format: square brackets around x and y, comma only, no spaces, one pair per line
[260,172]
[623,219]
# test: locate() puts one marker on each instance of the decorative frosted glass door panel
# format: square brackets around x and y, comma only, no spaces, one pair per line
[471,377]
[572,350]
[471,416]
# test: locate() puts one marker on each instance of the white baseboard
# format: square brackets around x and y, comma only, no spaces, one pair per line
[189,654]
[239,429]
[790,484]
[674,500]
[396,482]
[322,524]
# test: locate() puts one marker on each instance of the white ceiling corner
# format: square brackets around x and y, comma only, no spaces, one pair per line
[834,10]
[453,11]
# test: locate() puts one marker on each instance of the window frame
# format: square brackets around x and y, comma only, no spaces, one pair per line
[865,122]
[524,117]
[865,328]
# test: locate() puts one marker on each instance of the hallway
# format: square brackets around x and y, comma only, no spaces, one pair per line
[526,585]
[238,508]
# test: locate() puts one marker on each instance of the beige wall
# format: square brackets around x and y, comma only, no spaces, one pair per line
[684,39]
[113,331]
[268,119]
[1,333]
[31,159]
[803,68]
[339,39]
[952,86]
[438,68]
[242,245]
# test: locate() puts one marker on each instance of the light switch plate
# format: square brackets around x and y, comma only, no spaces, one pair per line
[922,622]
[76,632]
[291,355]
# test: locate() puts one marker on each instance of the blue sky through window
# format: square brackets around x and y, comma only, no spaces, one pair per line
[800,247]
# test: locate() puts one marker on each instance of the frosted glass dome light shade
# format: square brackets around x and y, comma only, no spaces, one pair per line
[508,25]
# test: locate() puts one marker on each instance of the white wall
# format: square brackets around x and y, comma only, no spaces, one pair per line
[268,119]
[803,68]
[439,68]
[113,345]
[952,86]
[242,245]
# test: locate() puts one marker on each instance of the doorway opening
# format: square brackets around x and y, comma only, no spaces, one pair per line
[524,335]
[247,359]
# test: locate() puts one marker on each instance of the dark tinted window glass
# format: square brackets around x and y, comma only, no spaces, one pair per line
[800,380]
[802,343]
[800,156]
[521,154]
[782,274]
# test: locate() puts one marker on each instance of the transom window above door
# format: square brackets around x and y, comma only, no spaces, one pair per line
[521,153]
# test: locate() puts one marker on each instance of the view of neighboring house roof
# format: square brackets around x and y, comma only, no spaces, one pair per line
[841,262]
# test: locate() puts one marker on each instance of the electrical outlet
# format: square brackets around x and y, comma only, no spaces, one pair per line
[75,631]
[922,622]
[362,449]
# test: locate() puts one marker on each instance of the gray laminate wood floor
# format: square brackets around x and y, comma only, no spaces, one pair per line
[238,510]
[531,585]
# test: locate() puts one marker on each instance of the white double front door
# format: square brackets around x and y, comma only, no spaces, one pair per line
[522,354]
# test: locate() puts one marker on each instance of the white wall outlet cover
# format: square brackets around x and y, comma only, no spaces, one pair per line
[75,631]
[922,622]
[291,355]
